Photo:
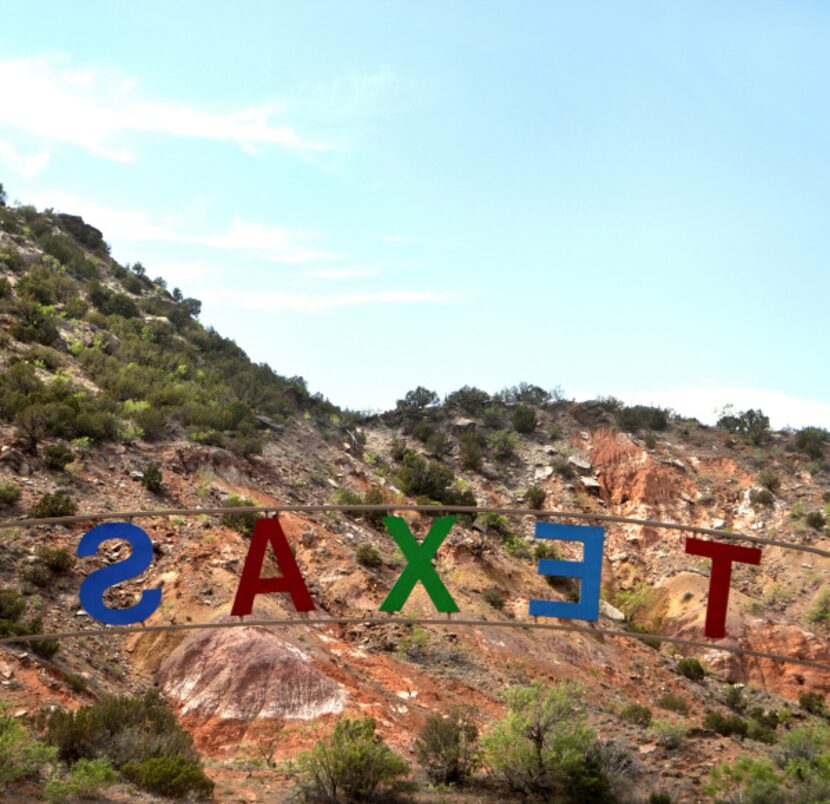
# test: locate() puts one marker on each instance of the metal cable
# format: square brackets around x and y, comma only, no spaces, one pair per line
[448,623]
[459,509]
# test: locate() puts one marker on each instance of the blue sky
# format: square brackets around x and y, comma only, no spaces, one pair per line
[625,199]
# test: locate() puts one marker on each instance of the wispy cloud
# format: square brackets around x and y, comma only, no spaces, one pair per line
[307,303]
[265,241]
[340,273]
[25,165]
[98,110]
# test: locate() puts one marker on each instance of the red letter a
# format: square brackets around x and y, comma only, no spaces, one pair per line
[251,584]
[722,556]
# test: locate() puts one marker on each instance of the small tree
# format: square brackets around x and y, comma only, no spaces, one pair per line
[540,748]
[352,765]
[2,196]
[446,746]
[418,399]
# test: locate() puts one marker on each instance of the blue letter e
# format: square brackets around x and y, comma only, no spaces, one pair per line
[588,571]
[93,587]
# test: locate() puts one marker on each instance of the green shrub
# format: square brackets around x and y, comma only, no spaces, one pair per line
[86,779]
[433,480]
[446,746]
[471,400]
[423,430]
[414,645]
[494,598]
[12,605]
[418,399]
[691,668]
[120,729]
[352,765]
[564,470]
[669,733]
[398,449]
[749,780]
[34,322]
[659,798]
[543,747]
[811,441]
[438,444]
[524,419]
[815,519]
[673,703]
[761,497]
[9,493]
[21,755]
[503,443]
[58,456]
[769,480]
[55,504]
[637,714]
[470,452]
[734,697]
[152,479]
[813,702]
[819,612]
[638,417]
[535,497]
[726,725]
[244,521]
[368,555]
[752,424]
[49,563]
[171,777]
[546,549]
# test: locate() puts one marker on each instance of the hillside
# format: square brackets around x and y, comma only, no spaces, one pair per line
[113,397]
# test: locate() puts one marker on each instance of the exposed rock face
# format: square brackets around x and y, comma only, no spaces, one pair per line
[245,673]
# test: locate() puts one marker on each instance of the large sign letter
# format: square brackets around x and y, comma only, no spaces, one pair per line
[589,571]
[94,586]
[420,566]
[722,556]
[269,531]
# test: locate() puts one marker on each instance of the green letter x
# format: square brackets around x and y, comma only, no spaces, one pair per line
[419,567]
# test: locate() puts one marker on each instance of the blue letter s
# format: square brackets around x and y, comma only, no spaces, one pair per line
[93,587]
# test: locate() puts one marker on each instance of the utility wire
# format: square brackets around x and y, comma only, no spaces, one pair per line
[432,509]
[448,623]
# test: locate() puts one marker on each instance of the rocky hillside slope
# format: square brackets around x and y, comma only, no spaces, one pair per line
[114,397]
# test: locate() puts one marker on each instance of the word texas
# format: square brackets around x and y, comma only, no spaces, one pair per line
[419,556]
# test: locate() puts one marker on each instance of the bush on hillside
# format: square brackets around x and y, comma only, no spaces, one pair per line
[811,441]
[9,493]
[446,746]
[637,714]
[58,503]
[470,400]
[691,668]
[351,765]
[244,521]
[470,452]
[152,479]
[58,456]
[535,497]
[524,419]
[139,735]
[21,755]
[544,749]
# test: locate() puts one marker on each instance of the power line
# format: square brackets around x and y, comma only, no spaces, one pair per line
[448,623]
[459,509]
